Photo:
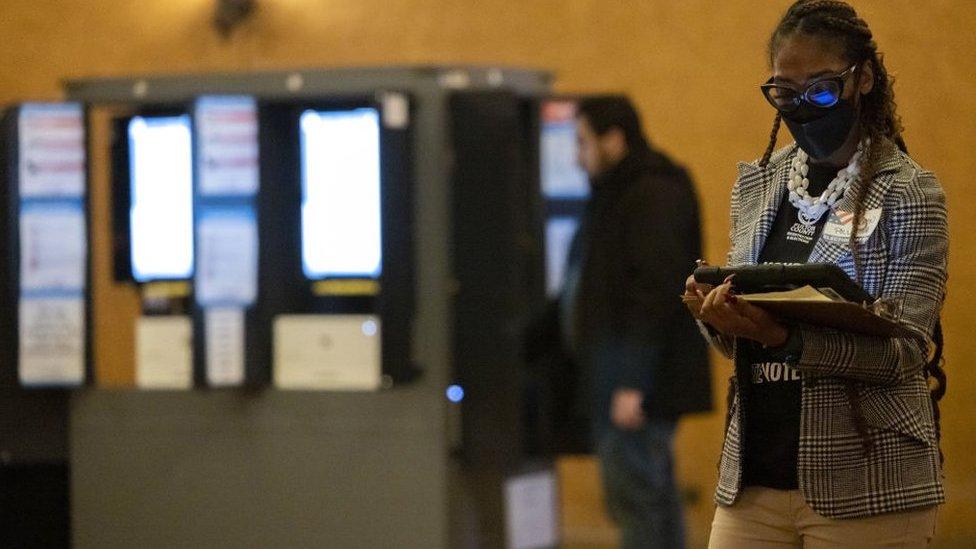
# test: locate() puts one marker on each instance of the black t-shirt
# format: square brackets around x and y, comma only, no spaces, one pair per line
[771,404]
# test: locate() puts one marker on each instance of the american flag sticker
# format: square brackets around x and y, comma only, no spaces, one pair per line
[839,225]
[844,217]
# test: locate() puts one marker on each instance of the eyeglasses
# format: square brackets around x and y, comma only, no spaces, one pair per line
[823,93]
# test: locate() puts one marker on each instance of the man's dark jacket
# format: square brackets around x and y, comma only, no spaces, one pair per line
[637,243]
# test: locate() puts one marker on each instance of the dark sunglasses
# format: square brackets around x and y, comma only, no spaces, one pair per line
[823,93]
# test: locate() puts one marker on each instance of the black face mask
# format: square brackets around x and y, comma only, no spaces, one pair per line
[820,133]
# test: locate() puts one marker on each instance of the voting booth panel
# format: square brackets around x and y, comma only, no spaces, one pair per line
[45,314]
[152,172]
[45,248]
[360,241]
[338,276]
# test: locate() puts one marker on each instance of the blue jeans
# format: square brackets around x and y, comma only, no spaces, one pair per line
[639,486]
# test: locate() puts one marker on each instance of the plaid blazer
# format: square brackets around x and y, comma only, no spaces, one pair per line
[903,262]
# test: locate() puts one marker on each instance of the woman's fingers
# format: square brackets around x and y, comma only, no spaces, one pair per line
[695,288]
[718,311]
[728,314]
[711,299]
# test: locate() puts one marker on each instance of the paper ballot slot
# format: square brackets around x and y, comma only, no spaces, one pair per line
[327,352]
[52,344]
[164,354]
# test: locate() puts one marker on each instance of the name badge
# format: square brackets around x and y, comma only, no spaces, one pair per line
[840,224]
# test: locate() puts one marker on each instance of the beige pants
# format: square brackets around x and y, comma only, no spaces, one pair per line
[765,518]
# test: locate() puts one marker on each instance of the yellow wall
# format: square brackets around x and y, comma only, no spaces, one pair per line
[692,66]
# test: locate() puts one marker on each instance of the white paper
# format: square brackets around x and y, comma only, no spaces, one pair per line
[530,511]
[52,341]
[227,129]
[227,262]
[52,150]
[561,174]
[164,352]
[327,352]
[52,248]
[559,238]
[396,111]
[224,336]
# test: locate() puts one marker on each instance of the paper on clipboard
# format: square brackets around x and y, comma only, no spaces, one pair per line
[811,306]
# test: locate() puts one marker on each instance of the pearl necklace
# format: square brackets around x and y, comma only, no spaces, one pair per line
[809,209]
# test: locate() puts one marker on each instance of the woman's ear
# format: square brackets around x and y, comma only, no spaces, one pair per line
[866,78]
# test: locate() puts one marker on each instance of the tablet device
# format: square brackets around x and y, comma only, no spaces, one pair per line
[773,277]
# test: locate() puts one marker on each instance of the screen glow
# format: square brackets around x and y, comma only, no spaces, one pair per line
[161,208]
[341,223]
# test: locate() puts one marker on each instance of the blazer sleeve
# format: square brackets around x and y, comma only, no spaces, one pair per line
[722,343]
[914,278]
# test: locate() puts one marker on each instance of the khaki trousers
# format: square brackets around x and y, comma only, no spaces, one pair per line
[766,518]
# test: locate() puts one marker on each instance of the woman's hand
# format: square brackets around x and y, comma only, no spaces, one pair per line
[695,293]
[735,317]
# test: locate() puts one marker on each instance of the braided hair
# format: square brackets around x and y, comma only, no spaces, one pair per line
[839,24]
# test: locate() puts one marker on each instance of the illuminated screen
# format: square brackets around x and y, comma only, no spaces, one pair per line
[341,227]
[559,237]
[161,207]
[560,173]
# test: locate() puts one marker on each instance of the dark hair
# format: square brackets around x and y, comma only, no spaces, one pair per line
[606,112]
[838,24]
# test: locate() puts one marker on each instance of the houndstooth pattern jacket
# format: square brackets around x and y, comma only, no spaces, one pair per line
[904,262]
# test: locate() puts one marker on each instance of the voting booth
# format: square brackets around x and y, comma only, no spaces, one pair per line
[152,173]
[45,276]
[311,307]
[336,341]
[45,313]
[338,283]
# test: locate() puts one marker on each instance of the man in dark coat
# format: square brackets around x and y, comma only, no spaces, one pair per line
[641,358]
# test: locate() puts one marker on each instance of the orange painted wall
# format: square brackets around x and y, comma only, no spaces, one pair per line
[692,66]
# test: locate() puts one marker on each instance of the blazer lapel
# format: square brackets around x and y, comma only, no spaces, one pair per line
[829,251]
[772,189]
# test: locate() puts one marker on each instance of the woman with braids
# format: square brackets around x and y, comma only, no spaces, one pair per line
[833,437]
